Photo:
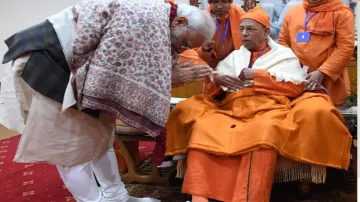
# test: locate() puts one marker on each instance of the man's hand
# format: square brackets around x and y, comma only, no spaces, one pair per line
[247,74]
[208,45]
[314,80]
[231,82]
[185,73]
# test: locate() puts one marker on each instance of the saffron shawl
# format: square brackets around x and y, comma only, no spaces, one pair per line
[122,60]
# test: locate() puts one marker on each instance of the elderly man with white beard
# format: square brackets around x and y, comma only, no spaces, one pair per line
[43,105]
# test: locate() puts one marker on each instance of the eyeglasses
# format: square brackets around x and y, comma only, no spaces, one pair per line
[186,47]
[219,2]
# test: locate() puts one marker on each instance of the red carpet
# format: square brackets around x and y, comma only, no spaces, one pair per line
[35,182]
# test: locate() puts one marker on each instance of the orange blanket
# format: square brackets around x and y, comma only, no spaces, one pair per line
[242,178]
[308,129]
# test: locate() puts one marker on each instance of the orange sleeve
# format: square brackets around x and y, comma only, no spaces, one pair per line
[264,83]
[208,56]
[193,56]
[344,45]
[284,37]
[242,12]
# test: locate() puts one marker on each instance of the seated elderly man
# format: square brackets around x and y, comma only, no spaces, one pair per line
[233,140]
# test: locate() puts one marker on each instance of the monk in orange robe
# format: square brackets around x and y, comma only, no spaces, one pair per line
[233,143]
[226,39]
[327,46]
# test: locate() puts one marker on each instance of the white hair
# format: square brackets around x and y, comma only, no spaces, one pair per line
[199,21]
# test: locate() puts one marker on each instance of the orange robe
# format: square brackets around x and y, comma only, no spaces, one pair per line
[248,177]
[331,43]
[220,51]
[240,137]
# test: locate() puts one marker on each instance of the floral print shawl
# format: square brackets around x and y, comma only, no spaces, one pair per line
[122,60]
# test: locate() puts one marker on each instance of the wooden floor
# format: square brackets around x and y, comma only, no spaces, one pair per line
[5,133]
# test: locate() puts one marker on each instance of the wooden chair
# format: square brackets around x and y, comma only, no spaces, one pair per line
[125,133]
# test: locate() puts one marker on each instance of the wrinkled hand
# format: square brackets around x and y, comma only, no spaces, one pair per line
[314,80]
[231,82]
[208,45]
[247,74]
[184,72]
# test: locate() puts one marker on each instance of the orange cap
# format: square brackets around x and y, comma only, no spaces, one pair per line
[259,15]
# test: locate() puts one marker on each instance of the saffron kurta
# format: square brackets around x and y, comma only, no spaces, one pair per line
[331,43]
[231,178]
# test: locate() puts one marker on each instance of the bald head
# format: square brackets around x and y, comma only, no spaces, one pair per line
[191,28]
[253,34]
[220,7]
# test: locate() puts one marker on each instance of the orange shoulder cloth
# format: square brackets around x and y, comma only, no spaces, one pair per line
[325,6]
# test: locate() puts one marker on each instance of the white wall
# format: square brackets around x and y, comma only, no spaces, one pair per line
[182,1]
[16,15]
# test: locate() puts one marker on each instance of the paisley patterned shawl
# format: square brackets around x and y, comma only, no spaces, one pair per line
[122,60]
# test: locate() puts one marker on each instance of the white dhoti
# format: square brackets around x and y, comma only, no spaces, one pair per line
[106,171]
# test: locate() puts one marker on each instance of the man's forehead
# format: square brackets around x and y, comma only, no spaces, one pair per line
[219,1]
[249,23]
[319,1]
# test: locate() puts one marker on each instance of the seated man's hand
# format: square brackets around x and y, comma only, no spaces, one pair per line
[184,72]
[247,74]
[208,45]
[314,80]
[231,82]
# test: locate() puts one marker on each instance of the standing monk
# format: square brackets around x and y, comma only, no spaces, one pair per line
[226,39]
[321,34]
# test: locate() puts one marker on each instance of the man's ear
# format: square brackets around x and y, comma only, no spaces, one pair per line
[267,31]
[179,21]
